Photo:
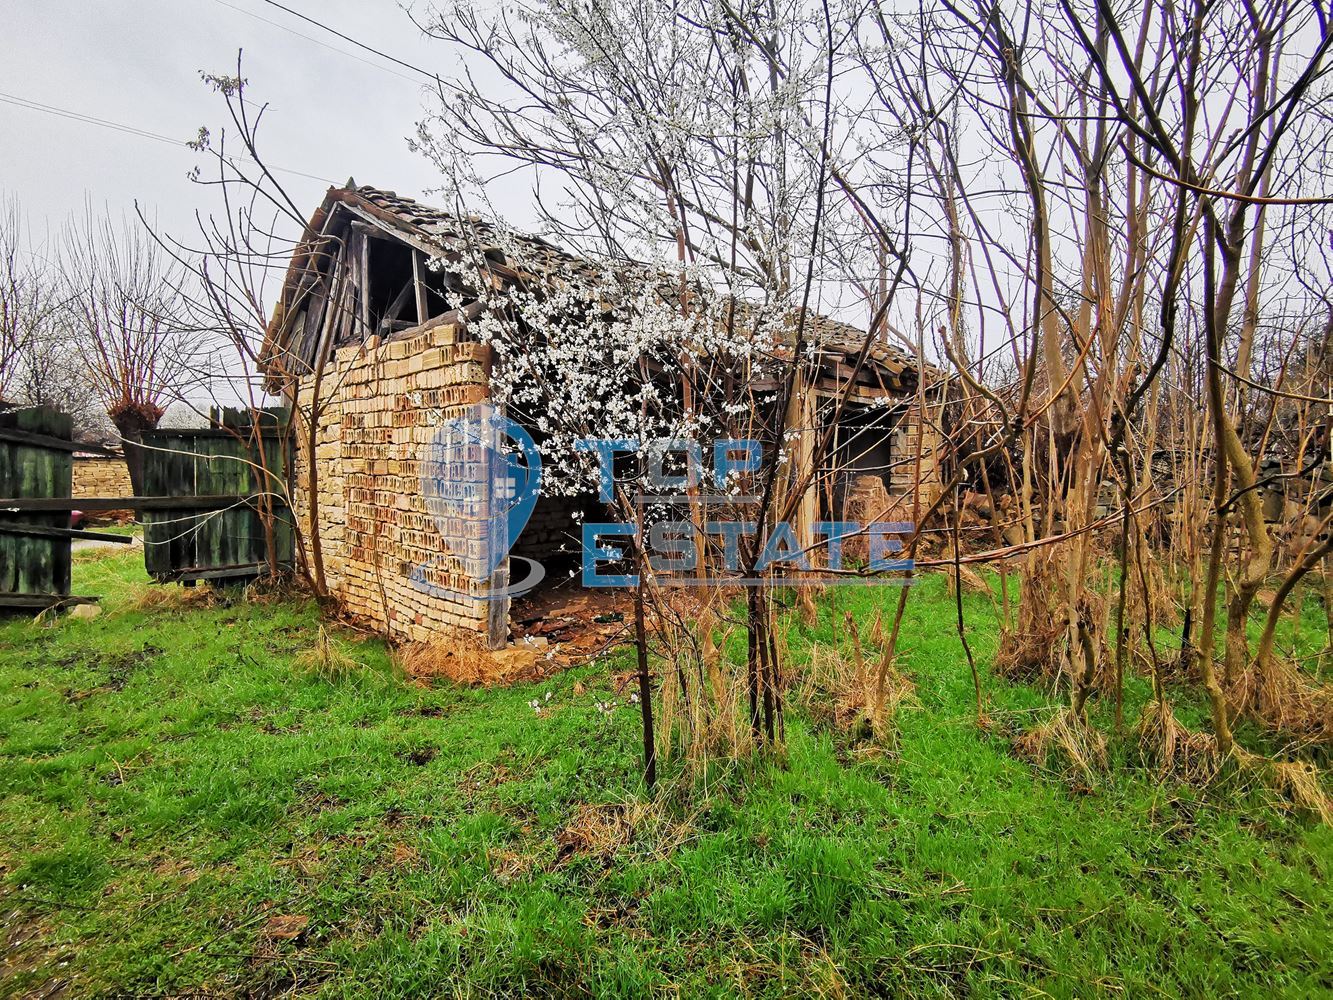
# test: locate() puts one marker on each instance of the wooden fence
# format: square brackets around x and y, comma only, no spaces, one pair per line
[36,461]
[235,473]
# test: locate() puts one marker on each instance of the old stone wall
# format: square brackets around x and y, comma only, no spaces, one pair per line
[103,476]
[384,554]
[398,556]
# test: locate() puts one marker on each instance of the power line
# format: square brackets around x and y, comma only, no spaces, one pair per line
[359,44]
[316,41]
[23,102]
[50,109]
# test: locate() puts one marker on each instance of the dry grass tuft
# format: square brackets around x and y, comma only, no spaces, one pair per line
[876,635]
[1175,750]
[466,662]
[1280,698]
[703,697]
[460,664]
[173,597]
[1030,656]
[846,690]
[1034,649]
[973,582]
[1038,649]
[1067,745]
[1179,667]
[1299,782]
[508,866]
[600,830]
[326,659]
[272,589]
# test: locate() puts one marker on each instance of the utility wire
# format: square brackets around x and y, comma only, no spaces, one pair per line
[23,102]
[316,41]
[359,44]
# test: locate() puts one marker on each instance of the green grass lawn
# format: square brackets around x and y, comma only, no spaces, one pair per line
[183,810]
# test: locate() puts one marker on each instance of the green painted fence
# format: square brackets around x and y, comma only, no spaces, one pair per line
[36,460]
[244,455]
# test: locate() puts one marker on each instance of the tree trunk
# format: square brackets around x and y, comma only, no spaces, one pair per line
[645,686]
[131,423]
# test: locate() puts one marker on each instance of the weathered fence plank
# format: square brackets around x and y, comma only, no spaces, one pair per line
[232,461]
[36,462]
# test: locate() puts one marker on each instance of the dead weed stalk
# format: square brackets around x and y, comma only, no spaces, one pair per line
[326,660]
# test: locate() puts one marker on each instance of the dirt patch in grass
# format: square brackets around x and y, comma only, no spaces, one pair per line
[312,800]
[419,756]
[402,856]
[24,950]
[284,927]
[431,711]
[117,670]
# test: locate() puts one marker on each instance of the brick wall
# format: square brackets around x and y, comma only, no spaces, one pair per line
[99,476]
[384,555]
[903,483]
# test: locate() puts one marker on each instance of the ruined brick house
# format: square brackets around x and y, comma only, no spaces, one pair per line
[381,341]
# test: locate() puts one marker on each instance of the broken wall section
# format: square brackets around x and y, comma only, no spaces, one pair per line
[385,557]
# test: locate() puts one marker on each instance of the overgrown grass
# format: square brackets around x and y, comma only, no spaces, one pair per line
[171,782]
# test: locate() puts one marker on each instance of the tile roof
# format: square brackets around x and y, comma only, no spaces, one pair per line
[444,233]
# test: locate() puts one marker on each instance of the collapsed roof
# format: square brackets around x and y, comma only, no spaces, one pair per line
[424,233]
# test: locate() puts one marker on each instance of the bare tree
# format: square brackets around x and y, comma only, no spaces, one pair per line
[121,291]
[231,272]
[707,145]
[50,371]
[25,294]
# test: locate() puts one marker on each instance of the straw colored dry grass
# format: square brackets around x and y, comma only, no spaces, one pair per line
[846,691]
[326,659]
[1297,784]
[599,830]
[1175,750]
[173,597]
[1065,745]
[464,661]
[1279,697]
[1299,781]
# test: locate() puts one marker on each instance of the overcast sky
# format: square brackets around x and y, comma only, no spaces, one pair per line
[336,111]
